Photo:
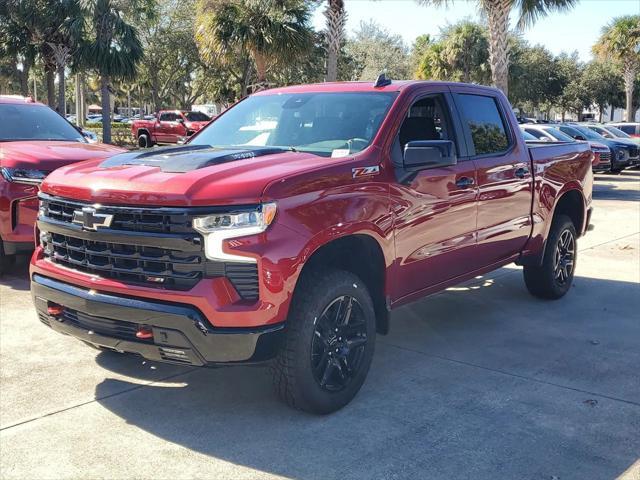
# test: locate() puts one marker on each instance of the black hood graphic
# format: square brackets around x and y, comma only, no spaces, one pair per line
[188,157]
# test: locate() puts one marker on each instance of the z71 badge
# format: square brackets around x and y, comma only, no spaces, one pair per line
[365,171]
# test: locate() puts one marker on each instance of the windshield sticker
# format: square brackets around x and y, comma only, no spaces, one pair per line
[339,152]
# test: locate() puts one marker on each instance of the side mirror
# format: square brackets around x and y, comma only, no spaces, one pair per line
[424,154]
[180,120]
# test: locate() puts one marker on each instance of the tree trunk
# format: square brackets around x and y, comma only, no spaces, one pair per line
[336,19]
[24,78]
[261,71]
[62,108]
[498,17]
[600,109]
[106,109]
[629,76]
[563,115]
[51,87]
[613,109]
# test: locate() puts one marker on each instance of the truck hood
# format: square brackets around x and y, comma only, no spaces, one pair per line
[190,175]
[47,156]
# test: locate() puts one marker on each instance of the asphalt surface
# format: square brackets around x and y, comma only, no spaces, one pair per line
[481,381]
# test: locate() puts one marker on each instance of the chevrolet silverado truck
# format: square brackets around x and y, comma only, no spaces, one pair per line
[289,228]
[34,140]
[169,126]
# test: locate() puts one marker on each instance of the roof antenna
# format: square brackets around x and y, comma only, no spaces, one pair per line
[382,81]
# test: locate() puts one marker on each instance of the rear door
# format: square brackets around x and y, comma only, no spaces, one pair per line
[435,210]
[505,182]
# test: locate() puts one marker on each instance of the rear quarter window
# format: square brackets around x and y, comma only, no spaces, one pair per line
[485,123]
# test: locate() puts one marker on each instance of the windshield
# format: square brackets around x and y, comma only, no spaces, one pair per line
[588,133]
[197,116]
[558,135]
[528,136]
[34,122]
[326,124]
[617,132]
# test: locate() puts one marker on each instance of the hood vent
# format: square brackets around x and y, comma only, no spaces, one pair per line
[188,158]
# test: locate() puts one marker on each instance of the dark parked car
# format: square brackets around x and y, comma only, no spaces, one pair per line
[550,133]
[623,152]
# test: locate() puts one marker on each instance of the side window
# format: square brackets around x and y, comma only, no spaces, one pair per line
[425,120]
[168,117]
[481,115]
[628,129]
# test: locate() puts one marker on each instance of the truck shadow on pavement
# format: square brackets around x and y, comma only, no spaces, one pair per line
[17,278]
[481,378]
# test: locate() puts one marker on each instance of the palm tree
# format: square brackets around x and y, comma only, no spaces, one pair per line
[620,44]
[465,48]
[336,20]
[498,13]
[267,31]
[113,51]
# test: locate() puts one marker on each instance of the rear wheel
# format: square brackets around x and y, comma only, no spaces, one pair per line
[329,343]
[553,279]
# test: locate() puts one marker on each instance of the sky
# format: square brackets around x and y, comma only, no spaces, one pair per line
[576,30]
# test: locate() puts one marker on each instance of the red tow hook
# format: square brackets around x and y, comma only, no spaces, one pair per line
[144,333]
[54,309]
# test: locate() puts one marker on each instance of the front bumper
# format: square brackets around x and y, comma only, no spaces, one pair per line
[180,333]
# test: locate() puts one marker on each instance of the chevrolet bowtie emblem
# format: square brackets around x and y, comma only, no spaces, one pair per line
[89,219]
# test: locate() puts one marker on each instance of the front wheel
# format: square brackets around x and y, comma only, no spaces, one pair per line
[329,343]
[553,279]
[144,141]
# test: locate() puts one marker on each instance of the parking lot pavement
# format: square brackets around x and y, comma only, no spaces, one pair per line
[480,381]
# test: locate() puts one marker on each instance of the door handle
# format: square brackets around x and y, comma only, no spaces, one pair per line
[522,172]
[464,182]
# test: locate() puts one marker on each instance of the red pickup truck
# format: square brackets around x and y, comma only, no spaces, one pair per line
[289,228]
[169,126]
[34,140]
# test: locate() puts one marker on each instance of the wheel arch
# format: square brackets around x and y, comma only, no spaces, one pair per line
[362,255]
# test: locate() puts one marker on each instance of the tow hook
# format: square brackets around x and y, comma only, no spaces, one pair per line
[144,333]
[55,310]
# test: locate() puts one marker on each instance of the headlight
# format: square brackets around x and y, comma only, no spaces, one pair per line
[21,175]
[219,227]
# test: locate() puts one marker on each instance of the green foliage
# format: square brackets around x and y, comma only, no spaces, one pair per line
[266,31]
[460,54]
[374,50]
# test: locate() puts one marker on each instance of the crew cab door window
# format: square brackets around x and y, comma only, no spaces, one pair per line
[480,114]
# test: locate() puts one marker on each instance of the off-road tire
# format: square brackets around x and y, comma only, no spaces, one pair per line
[144,141]
[541,281]
[293,374]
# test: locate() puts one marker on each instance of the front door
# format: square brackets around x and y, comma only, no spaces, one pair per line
[435,211]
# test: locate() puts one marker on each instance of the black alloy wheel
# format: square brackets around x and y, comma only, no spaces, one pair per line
[338,343]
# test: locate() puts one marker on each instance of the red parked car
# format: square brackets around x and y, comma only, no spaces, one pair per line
[169,126]
[34,140]
[288,228]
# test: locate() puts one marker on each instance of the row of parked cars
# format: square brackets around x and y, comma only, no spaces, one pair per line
[614,149]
